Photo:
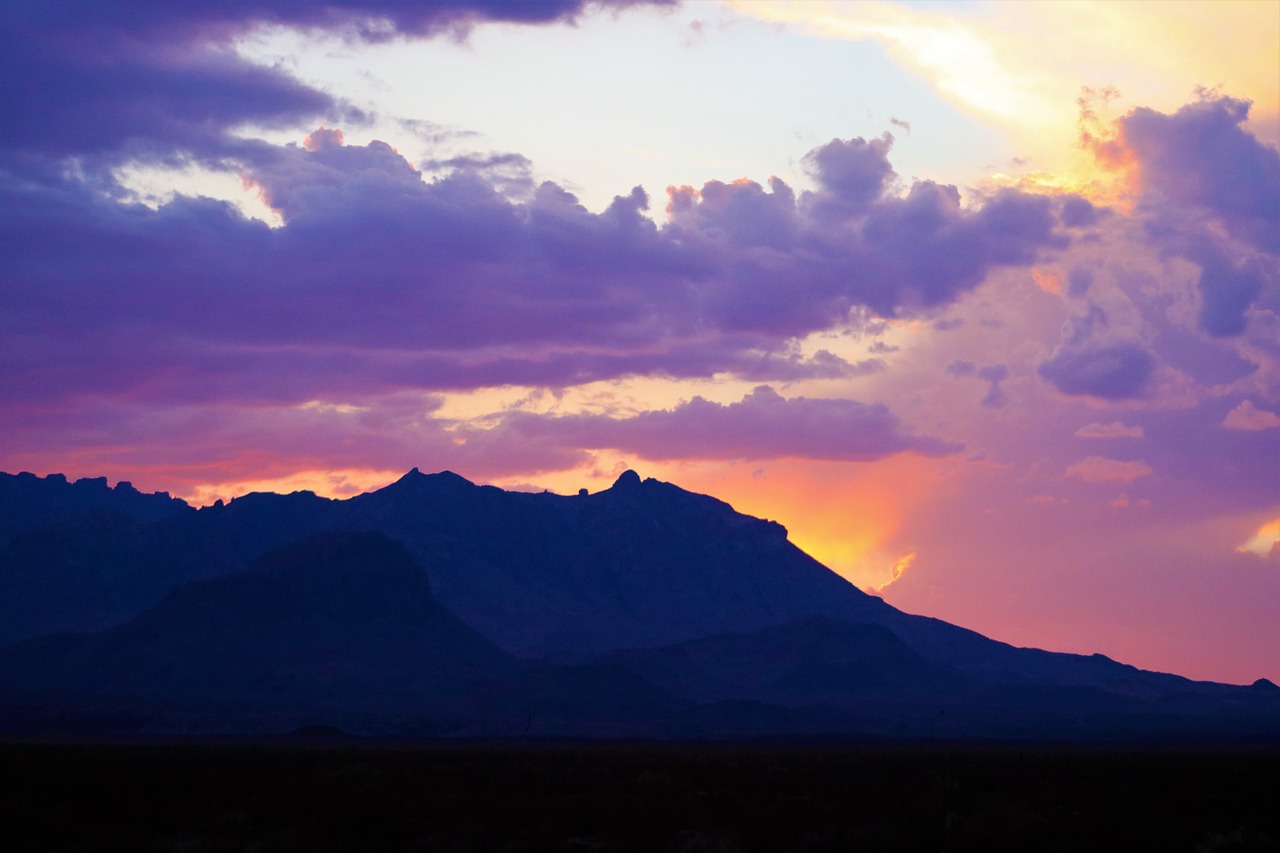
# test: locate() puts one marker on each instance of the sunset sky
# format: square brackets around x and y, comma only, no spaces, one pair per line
[980,299]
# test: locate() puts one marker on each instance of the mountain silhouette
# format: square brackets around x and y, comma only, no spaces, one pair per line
[639,564]
[339,626]
[438,607]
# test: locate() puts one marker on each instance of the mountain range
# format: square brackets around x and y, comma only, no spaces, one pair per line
[435,607]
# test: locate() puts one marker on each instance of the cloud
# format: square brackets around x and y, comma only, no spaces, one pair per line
[992,373]
[1115,429]
[1209,193]
[851,175]
[380,280]
[1247,416]
[107,83]
[1110,372]
[1227,290]
[1201,157]
[763,425]
[1079,279]
[1098,469]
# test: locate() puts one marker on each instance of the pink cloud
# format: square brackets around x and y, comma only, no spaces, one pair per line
[1115,429]
[1247,416]
[1098,469]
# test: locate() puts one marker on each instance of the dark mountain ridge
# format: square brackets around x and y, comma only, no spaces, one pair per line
[436,606]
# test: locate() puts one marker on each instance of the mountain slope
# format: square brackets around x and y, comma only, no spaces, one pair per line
[337,622]
[436,606]
[640,564]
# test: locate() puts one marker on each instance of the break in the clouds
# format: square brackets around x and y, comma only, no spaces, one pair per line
[157,80]
[763,425]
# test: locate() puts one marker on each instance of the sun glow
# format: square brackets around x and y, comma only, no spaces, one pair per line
[1019,67]
[154,186]
[344,483]
[1265,542]
[903,563]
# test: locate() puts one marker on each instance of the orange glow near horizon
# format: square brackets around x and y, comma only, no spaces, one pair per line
[904,563]
[845,515]
[1265,541]
[343,483]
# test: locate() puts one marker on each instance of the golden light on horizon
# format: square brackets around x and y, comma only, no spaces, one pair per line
[1265,541]
[328,483]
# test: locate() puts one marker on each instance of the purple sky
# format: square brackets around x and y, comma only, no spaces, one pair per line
[1040,399]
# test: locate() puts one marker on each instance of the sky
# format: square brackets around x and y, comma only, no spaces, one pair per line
[980,299]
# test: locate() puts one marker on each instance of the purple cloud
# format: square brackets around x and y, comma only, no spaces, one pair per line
[851,174]
[380,280]
[1079,280]
[994,374]
[1201,157]
[1211,195]
[1110,372]
[136,79]
[1079,212]
[1227,291]
[762,425]
[1115,429]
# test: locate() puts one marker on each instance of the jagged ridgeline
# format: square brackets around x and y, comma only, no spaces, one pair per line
[438,608]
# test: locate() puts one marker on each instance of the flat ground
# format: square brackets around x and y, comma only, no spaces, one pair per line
[635,797]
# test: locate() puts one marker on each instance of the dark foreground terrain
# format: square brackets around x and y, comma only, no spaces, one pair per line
[703,797]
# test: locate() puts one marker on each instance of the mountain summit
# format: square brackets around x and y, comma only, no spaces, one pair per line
[437,606]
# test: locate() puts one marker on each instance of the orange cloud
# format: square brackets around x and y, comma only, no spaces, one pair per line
[1266,542]
[904,562]
[1049,282]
